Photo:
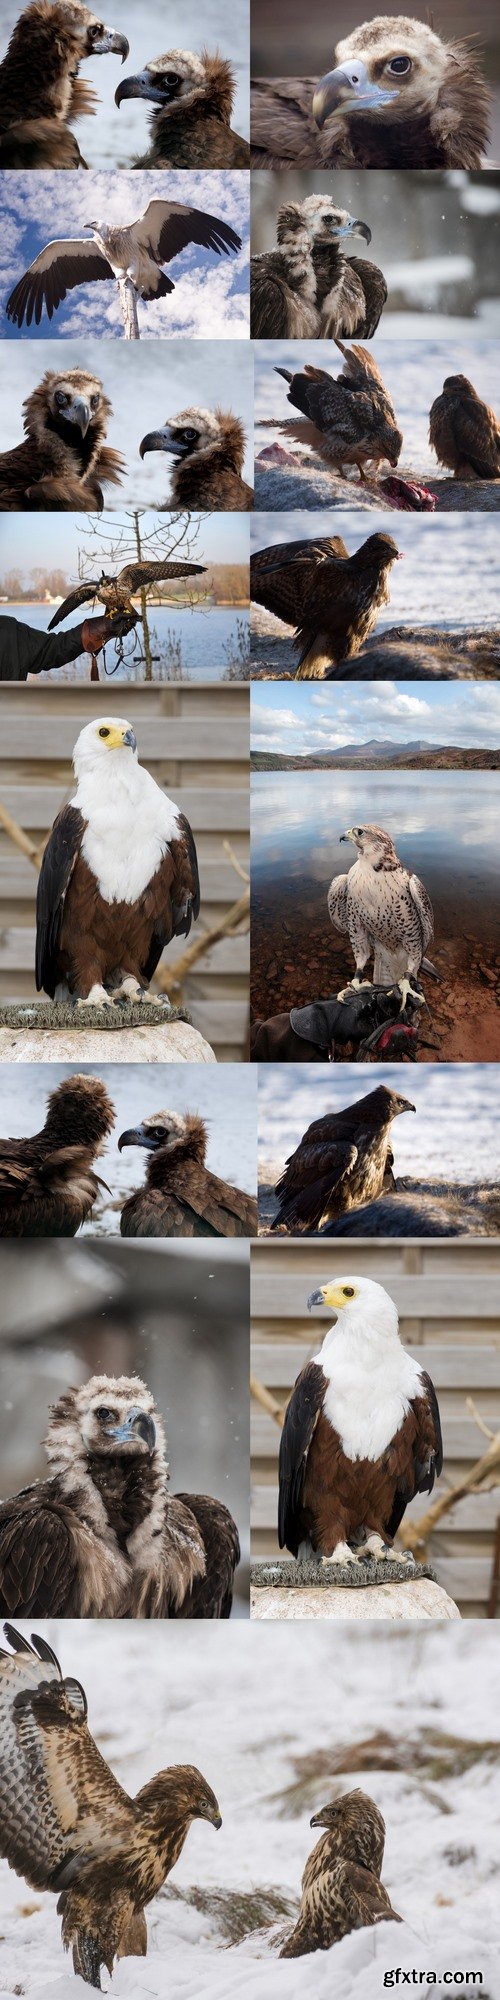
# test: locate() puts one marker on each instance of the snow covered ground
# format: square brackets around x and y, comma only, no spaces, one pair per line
[260,1716]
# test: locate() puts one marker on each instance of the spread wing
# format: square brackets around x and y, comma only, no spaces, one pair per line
[54,272]
[310,1176]
[423,905]
[172,900]
[82,594]
[58,1798]
[304,1408]
[360,370]
[61,854]
[136,574]
[337,903]
[424,1464]
[169,226]
[211,1595]
[37,1565]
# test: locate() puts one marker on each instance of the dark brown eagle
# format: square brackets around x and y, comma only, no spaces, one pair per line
[361,1435]
[282,575]
[136,250]
[193,99]
[342,1161]
[341,607]
[464,432]
[66,1823]
[102,1537]
[47,1187]
[40,89]
[341,1886]
[208,447]
[349,418]
[181,1197]
[64,458]
[397,95]
[308,286]
[116,592]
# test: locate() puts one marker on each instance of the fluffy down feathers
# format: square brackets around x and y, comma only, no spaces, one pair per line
[397,95]
[464,432]
[308,286]
[208,448]
[40,90]
[47,1187]
[64,458]
[341,1886]
[350,419]
[181,1197]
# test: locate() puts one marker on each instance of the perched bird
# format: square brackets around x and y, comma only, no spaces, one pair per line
[66,1823]
[119,876]
[102,1537]
[464,432]
[116,592]
[181,1197]
[281,575]
[208,447]
[398,95]
[341,1886]
[361,1435]
[136,251]
[64,456]
[341,607]
[343,1161]
[350,418]
[191,124]
[40,88]
[308,286]
[383,910]
[47,1187]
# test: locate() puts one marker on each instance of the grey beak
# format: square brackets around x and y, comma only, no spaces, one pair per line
[361,229]
[139,86]
[137,1136]
[154,441]
[130,739]
[80,415]
[112,45]
[315,1299]
[330,94]
[343,90]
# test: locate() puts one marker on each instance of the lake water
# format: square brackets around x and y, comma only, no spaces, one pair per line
[449,578]
[456,1131]
[208,641]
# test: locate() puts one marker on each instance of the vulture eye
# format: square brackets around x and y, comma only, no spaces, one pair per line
[61,399]
[348,1291]
[94,400]
[102,732]
[97,31]
[104,1415]
[399,66]
[188,432]
[171,76]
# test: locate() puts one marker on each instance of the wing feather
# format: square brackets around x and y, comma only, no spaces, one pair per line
[423,905]
[169,226]
[337,903]
[211,1595]
[82,594]
[426,1463]
[58,1798]
[306,1403]
[36,1559]
[55,271]
[136,573]
[60,857]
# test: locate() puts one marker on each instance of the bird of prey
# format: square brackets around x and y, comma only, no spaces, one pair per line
[397,95]
[384,911]
[102,1536]
[341,1886]
[66,1824]
[181,1197]
[116,592]
[361,1436]
[464,432]
[64,456]
[208,447]
[193,99]
[282,575]
[343,1161]
[307,286]
[349,419]
[136,251]
[40,88]
[47,1187]
[341,607]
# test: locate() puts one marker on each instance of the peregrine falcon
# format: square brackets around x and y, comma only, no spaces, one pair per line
[383,910]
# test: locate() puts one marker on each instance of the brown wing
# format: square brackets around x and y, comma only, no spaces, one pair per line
[169,226]
[225,1209]
[211,1596]
[362,1896]
[304,1408]
[360,369]
[37,1566]
[59,267]
[281,576]
[474,435]
[281,119]
[172,901]
[83,594]
[58,1797]
[375,290]
[135,574]
[309,1179]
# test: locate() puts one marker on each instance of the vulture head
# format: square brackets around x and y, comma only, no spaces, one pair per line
[72,404]
[79,1113]
[107,1417]
[356,1828]
[180,79]
[92,34]
[199,435]
[325,224]
[109,737]
[163,1130]
[399,70]
[373,844]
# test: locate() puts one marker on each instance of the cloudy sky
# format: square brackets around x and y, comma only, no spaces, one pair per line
[27,542]
[311,720]
[210,301]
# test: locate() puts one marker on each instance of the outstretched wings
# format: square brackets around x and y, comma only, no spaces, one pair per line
[82,594]
[55,271]
[58,1798]
[136,574]
[60,857]
[304,1408]
[169,226]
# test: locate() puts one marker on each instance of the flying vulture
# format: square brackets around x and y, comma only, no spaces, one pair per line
[116,592]
[64,457]
[350,418]
[341,1886]
[383,910]
[181,1197]
[119,876]
[137,252]
[66,1823]
[40,88]
[103,1537]
[281,575]
[193,99]
[343,1161]
[464,432]
[47,1187]
[341,607]
[208,447]
[397,95]
[308,286]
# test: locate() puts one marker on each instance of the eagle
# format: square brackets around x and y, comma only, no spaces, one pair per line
[343,1161]
[67,1824]
[398,95]
[464,432]
[308,286]
[340,609]
[40,88]
[136,251]
[47,1187]
[384,910]
[341,1886]
[181,1197]
[119,876]
[116,592]
[64,457]
[208,447]
[193,99]
[350,418]
[102,1536]
[281,576]
[361,1435]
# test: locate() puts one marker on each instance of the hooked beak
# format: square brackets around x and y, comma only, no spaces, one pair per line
[137,1424]
[348,835]
[140,86]
[348,89]
[111,45]
[404,1104]
[318,1820]
[79,414]
[353,227]
[138,1136]
[216,1821]
[154,441]
[130,739]
[316,1298]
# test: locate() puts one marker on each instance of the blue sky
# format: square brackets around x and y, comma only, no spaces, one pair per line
[27,541]
[300,720]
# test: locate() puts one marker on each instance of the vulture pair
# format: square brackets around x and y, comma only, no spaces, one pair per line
[341,1889]
[343,1161]
[135,251]
[307,287]
[193,101]
[348,420]
[208,448]
[332,598]
[64,461]
[40,87]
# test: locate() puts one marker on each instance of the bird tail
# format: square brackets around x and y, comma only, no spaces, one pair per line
[164,286]
[87,1958]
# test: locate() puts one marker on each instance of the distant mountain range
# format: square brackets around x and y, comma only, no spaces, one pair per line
[366,755]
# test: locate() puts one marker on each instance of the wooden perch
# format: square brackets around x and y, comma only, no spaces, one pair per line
[20,838]
[483,1477]
[267,1402]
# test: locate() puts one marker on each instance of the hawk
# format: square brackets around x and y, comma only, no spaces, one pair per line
[341,1886]
[342,1161]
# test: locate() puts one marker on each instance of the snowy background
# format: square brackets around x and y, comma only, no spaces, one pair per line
[413,373]
[289,1098]
[447,579]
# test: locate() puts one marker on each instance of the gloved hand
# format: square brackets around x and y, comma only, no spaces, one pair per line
[97,631]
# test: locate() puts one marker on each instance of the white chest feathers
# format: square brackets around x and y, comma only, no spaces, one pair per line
[375,890]
[129,824]
[371,1383]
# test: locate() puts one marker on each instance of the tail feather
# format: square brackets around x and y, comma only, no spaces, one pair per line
[87,1959]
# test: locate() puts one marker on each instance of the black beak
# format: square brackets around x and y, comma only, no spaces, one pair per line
[137,1136]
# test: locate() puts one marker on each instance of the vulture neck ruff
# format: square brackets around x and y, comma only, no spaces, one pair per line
[370,1378]
[129,822]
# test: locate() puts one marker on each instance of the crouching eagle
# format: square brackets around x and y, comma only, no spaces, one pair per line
[341,1886]
[66,1823]
[102,1537]
[361,1435]
[119,876]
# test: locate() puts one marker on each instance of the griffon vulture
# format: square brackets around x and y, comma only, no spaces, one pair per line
[341,1886]
[341,607]
[40,89]
[464,432]
[116,592]
[281,576]
[66,1824]
[102,1537]
[119,876]
[208,447]
[191,125]
[47,1187]
[308,286]
[397,95]
[181,1197]
[64,457]
[384,911]
[137,252]
[343,1161]
[350,418]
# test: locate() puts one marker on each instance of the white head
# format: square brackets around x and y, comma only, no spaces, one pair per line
[359,1303]
[106,744]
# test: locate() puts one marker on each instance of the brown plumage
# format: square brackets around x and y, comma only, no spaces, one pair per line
[341,607]
[191,125]
[341,1886]
[281,575]
[342,1161]
[116,592]
[181,1197]
[40,89]
[397,95]
[464,432]
[349,419]
[47,1187]
[66,1823]
[102,1536]
[64,457]
[208,447]
[308,286]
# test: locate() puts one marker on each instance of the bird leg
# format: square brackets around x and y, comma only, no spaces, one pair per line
[376,1550]
[130,992]
[98,997]
[356,983]
[409,988]
[342,1554]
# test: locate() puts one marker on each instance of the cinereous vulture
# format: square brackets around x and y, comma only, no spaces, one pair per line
[396,95]
[40,88]
[208,447]
[64,457]
[193,99]
[308,287]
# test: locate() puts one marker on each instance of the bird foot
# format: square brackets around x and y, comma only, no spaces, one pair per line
[98,997]
[342,1555]
[355,986]
[375,1550]
[130,993]
[408,987]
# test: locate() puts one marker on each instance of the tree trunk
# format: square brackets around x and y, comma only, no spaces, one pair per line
[148,657]
[128,302]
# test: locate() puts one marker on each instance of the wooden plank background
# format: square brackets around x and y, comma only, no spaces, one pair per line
[448,1298]
[194,740]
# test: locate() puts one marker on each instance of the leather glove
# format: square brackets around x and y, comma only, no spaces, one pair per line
[97,631]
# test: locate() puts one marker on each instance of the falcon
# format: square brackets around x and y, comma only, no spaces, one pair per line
[384,911]
[181,1197]
[341,1886]
[464,432]
[349,419]
[343,1161]
[116,592]
[136,252]
[397,95]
